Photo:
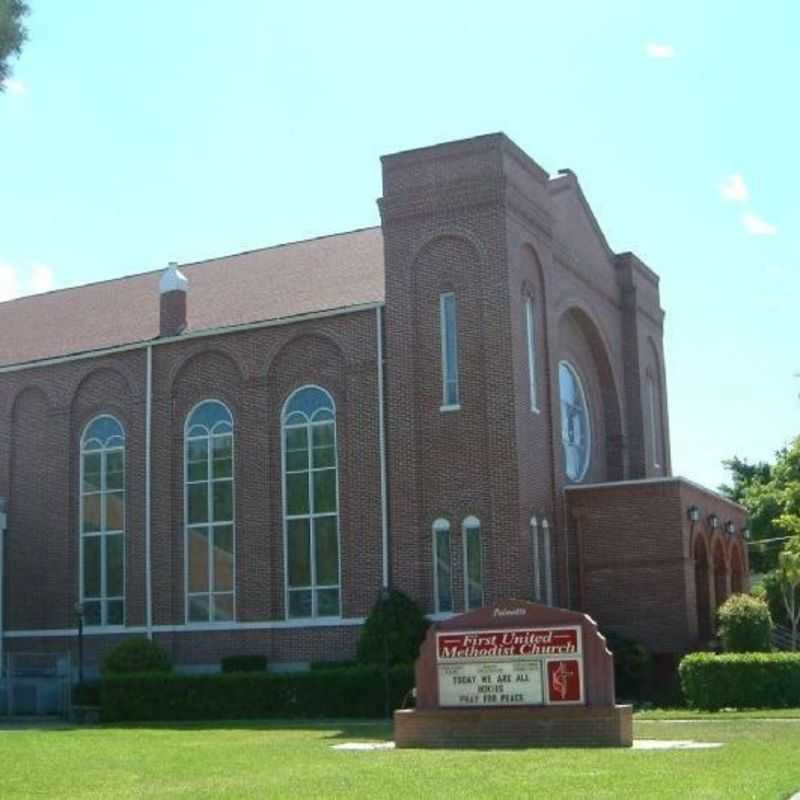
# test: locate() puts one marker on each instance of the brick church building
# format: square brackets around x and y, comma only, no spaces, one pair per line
[467,402]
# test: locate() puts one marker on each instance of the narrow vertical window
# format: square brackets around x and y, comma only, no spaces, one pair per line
[311,504]
[536,562]
[548,567]
[447,314]
[441,566]
[530,339]
[102,521]
[652,404]
[209,514]
[473,564]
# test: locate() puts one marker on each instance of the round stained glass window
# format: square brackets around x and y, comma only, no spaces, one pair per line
[575,432]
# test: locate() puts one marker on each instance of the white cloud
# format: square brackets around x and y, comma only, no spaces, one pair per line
[41,279]
[655,50]
[756,226]
[13,285]
[13,86]
[734,189]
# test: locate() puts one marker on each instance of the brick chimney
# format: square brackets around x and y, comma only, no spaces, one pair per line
[173,289]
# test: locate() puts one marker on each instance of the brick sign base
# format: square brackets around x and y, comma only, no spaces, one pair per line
[515,674]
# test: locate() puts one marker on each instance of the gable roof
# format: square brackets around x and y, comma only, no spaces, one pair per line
[284,281]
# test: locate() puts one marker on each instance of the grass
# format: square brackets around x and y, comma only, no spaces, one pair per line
[295,760]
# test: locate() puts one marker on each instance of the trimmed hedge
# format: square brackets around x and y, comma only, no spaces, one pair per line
[244,664]
[357,692]
[741,680]
[134,656]
[745,624]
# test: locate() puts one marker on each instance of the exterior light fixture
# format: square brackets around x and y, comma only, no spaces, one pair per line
[730,527]
[693,512]
[713,520]
[746,532]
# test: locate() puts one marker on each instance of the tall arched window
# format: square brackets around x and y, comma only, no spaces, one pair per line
[442,579]
[473,564]
[530,341]
[102,520]
[576,434]
[209,513]
[653,419]
[311,504]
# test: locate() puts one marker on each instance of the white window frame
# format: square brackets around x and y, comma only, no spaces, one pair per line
[587,408]
[313,587]
[651,401]
[447,404]
[440,525]
[209,524]
[103,534]
[470,524]
[530,340]
[548,562]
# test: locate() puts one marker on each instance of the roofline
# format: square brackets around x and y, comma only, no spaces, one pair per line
[159,270]
[642,481]
[183,337]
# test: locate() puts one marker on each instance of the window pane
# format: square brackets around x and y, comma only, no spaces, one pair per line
[91,472]
[223,456]
[307,401]
[474,569]
[91,613]
[297,460]
[322,436]
[91,513]
[223,501]
[326,543]
[328,602]
[197,459]
[198,608]
[299,544]
[223,558]
[115,511]
[300,603]
[451,394]
[115,565]
[115,470]
[296,439]
[324,491]
[324,457]
[198,503]
[91,566]
[297,493]
[115,612]
[449,349]
[443,583]
[198,559]
[223,607]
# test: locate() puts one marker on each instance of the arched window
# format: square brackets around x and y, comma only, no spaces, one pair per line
[575,429]
[102,520]
[536,560]
[209,513]
[530,340]
[311,504]
[442,578]
[473,564]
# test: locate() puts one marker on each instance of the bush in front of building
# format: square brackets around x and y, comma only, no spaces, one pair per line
[355,692]
[394,630]
[745,624]
[244,664]
[741,680]
[633,668]
[136,656]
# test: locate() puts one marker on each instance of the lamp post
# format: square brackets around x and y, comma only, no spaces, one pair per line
[79,615]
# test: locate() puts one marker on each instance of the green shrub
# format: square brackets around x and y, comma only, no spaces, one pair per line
[86,693]
[356,692]
[633,667]
[136,656]
[745,624]
[395,627]
[244,664]
[741,680]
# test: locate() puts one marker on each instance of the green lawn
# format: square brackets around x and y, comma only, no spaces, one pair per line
[295,759]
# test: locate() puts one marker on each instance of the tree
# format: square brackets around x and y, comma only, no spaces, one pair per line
[771,494]
[12,34]
[789,576]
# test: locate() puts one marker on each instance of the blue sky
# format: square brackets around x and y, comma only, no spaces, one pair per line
[133,134]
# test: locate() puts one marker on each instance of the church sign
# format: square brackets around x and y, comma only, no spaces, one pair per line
[518,667]
[514,674]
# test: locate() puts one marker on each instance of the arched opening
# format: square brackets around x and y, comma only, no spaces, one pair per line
[701,590]
[721,586]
